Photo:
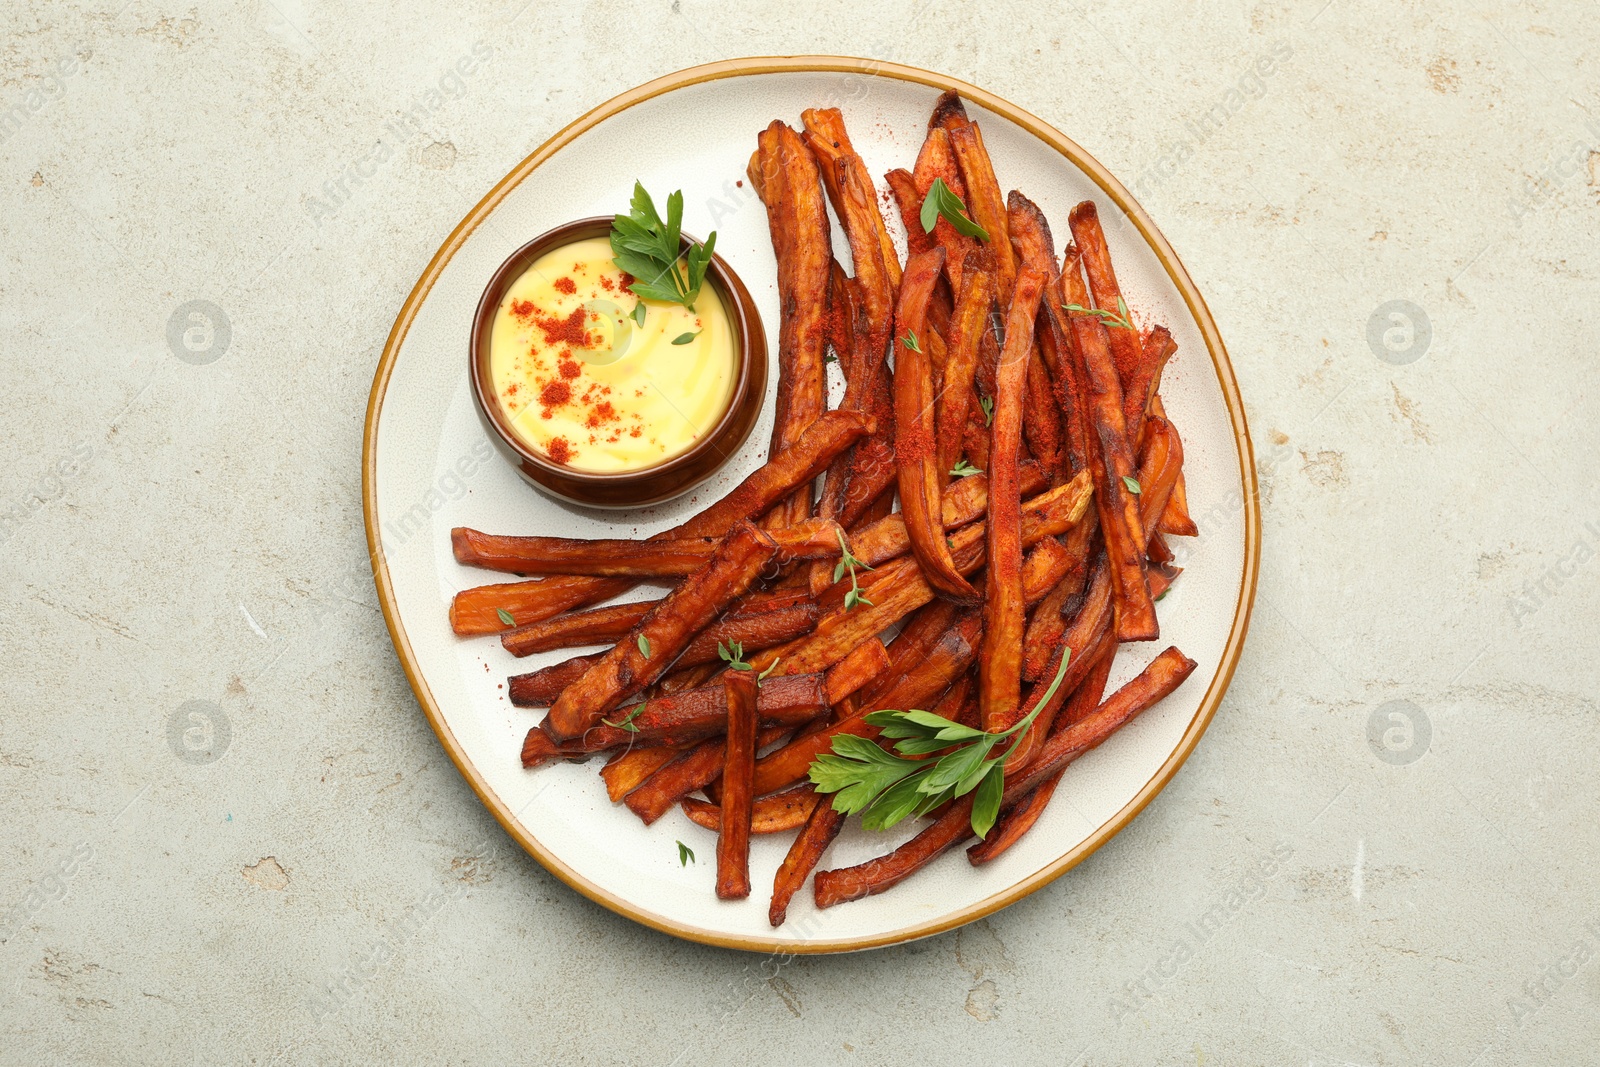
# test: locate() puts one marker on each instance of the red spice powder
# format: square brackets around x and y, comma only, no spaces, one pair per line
[522,308]
[554,394]
[570,369]
[559,451]
[607,284]
[565,285]
[569,330]
[601,414]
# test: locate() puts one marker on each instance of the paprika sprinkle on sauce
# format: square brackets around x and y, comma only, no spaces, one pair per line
[588,385]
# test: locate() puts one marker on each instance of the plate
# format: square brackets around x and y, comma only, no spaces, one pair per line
[426,466]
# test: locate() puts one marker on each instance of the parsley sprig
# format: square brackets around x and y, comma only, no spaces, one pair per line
[886,788]
[942,202]
[732,654]
[648,248]
[1119,320]
[846,560]
[627,722]
[963,469]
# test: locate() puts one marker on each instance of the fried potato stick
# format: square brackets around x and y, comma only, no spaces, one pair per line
[787,810]
[786,177]
[1000,667]
[733,835]
[915,441]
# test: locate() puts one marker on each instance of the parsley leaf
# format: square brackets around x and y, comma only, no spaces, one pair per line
[505,616]
[886,787]
[942,202]
[1132,484]
[685,855]
[650,249]
[644,646]
[964,469]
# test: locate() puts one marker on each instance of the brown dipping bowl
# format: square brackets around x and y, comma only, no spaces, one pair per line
[650,485]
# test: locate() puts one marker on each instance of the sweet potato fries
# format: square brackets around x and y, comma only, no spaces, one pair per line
[1008,398]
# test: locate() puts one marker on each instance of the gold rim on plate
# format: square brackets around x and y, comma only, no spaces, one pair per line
[734,68]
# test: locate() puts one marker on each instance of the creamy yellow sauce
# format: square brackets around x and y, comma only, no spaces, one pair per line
[584,383]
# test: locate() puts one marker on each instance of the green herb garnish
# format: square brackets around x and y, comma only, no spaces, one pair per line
[1120,320]
[638,313]
[910,341]
[942,202]
[650,250]
[1133,485]
[685,855]
[644,646]
[685,338]
[846,560]
[505,616]
[886,788]
[963,469]
[627,720]
[987,404]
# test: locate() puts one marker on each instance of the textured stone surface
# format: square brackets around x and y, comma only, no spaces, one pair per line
[230,836]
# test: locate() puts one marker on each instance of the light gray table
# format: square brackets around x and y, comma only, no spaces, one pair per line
[1384,851]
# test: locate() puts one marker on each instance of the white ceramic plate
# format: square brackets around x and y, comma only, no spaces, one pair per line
[427,466]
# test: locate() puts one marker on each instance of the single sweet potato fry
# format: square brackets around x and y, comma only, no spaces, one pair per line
[694,714]
[628,767]
[1175,518]
[610,624]
[596,626]
[845,884]
[477,610]
[754,631]
[1156,348]
[1163,674]
[543,687]
[643,656]
[791,187]
[804,854]
[1019,820]
[968,322]
[1126,349]
[909,203]
[1114,486]
[622,558]
[985,204]
[1000,667]
[915,442]
[937,160]
[1043,568]
[733,835]
[1158,474]
[866,663]
[849,186]
[787,810]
